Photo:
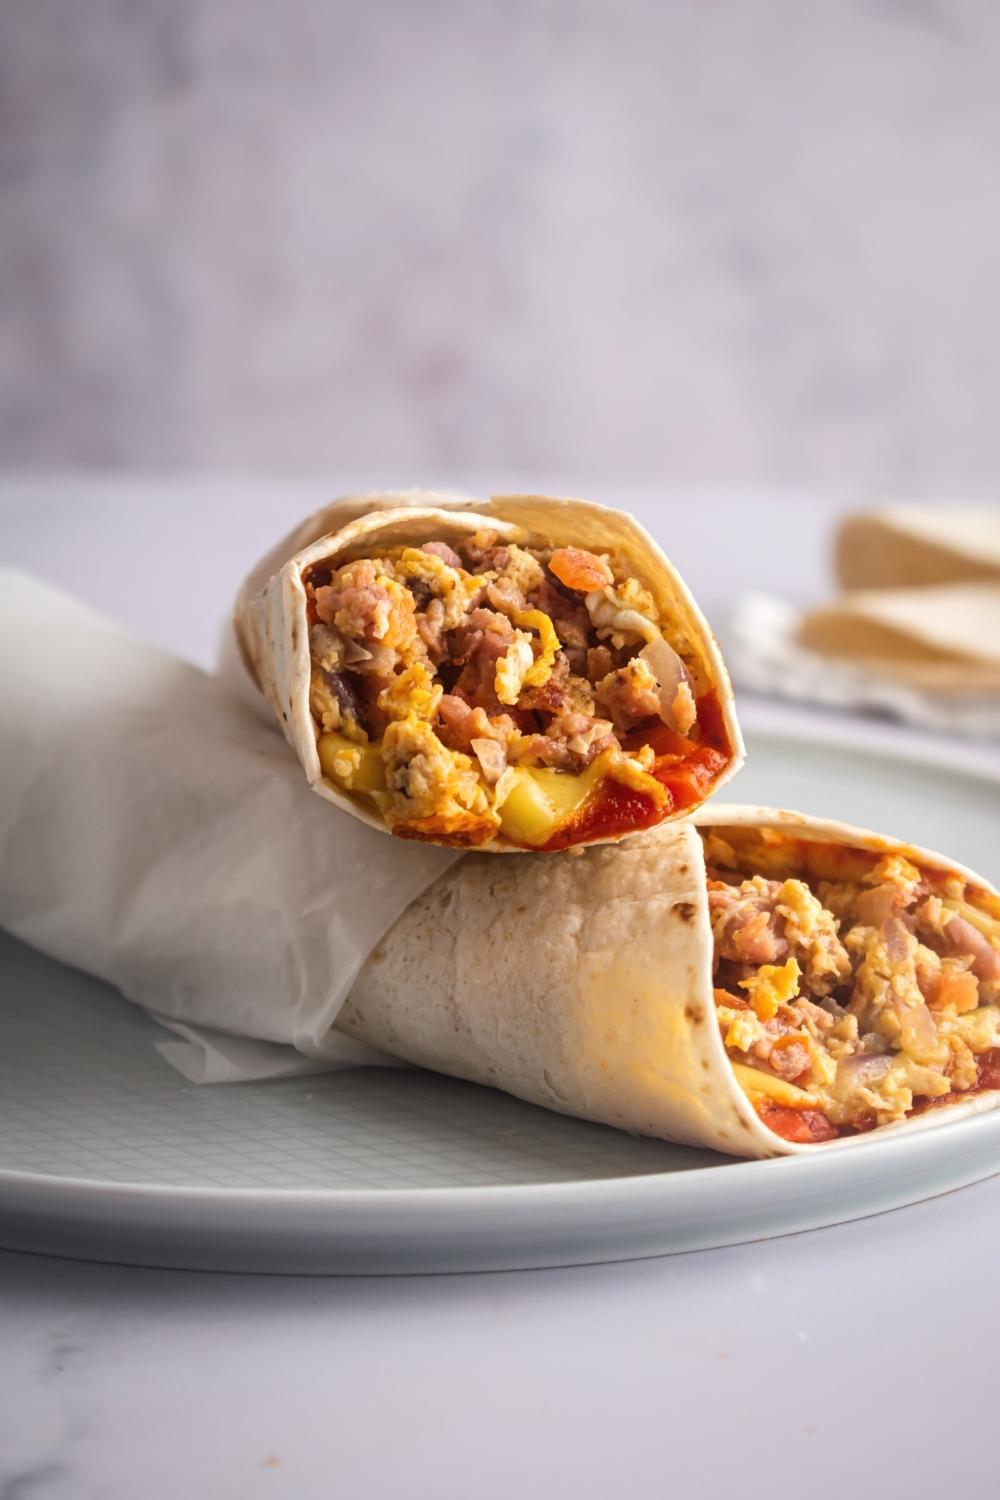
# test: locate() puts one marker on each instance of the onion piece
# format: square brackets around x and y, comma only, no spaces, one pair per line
[334,650]
[677,705]
[343,691]
[861,1070]
[918,1036]
[490,755]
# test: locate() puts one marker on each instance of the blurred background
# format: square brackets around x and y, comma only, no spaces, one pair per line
[588,241]
[732,264]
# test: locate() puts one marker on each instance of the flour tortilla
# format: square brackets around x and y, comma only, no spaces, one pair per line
[272,626]
[922,605]
[944,639]
[585,985]
[905,546]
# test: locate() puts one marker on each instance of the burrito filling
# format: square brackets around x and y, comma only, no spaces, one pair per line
[852,989]
[482,690]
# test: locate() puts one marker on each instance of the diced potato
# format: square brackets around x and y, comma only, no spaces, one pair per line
[541,801]
[567,793]
[527,816]
[357,768]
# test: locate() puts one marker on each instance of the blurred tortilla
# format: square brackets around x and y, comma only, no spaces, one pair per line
[944,639]
[905,546]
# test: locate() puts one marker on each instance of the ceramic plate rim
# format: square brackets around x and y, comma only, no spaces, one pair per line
[899,1140]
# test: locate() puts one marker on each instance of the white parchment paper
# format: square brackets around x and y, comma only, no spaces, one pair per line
[154,831]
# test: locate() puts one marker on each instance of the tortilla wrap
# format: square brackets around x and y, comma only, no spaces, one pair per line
[586,985]
[907,546]
[944,638]
[275,617]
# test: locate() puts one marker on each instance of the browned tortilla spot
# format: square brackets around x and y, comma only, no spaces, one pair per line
[694,1013]
[705,1064]
[685,910]
[464,831]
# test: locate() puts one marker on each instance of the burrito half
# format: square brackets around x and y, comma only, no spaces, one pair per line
[530,673]
[761,983]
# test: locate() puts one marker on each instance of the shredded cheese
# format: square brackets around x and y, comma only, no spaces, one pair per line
[756,1084]
[537,619]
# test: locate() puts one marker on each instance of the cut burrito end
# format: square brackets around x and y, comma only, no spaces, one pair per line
[749,980]
[477,682]
[855,986]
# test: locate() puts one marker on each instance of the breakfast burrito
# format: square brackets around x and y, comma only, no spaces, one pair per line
[521,673]
[753,981]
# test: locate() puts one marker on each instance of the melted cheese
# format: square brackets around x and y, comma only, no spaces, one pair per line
[536,619]
[357,768]
[756,1085]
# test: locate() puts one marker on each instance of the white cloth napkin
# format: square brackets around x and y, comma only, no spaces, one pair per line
[157,833]
[765,656]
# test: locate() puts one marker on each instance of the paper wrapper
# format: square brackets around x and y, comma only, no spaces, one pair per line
[157,833]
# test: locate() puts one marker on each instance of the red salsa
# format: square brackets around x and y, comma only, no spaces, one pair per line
[687,769]
[810,1125]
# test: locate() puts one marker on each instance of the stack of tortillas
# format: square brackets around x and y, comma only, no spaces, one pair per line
[922,600]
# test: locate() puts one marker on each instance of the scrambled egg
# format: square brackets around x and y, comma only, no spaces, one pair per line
[455,590]
[413,691]
[513,667]
[772,985]
[425,780]
[912,1024]
[523,569]
[418,783]
[813,930]
[889,1097]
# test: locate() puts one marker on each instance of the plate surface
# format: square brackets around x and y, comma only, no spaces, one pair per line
[107,1153]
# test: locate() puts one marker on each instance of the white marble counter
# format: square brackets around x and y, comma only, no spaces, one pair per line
[855,1360]
[851,1360]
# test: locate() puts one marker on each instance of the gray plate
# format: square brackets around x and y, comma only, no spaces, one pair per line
[107,1153]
